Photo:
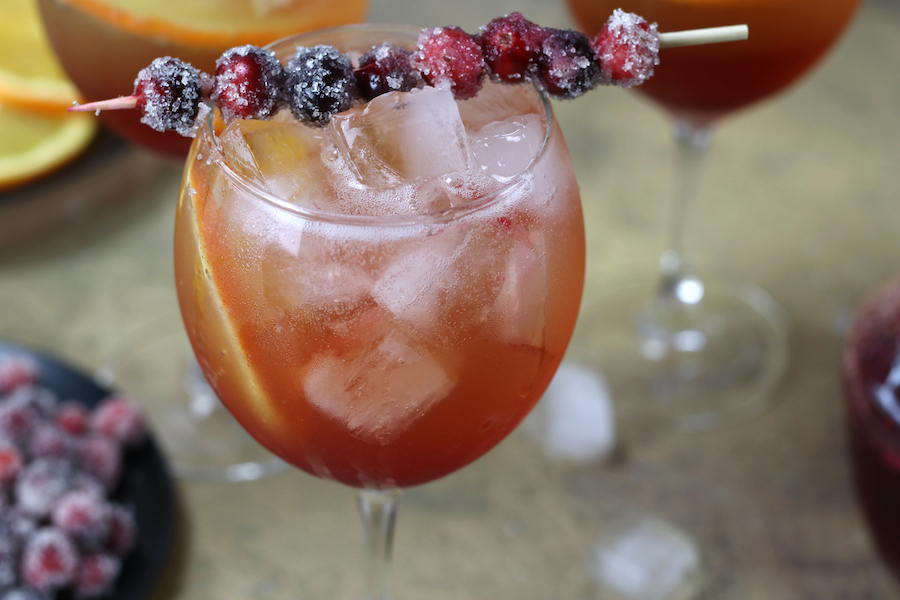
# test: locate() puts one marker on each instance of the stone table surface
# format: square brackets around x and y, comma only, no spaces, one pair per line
[802,196]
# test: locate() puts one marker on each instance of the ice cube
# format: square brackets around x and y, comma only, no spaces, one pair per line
[646,559]
[503,149]
[402,137]
[574,420]
[447,281]
[380,392]
[521,301]
[280,156]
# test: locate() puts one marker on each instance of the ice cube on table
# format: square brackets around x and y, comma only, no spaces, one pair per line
[503,149]
[398,138]
[575,419]
[646,559]
[379,392]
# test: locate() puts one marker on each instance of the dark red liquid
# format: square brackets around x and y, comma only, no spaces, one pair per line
[872,386]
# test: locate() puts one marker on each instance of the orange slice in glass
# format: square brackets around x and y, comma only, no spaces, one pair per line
[30,75]
[34,144]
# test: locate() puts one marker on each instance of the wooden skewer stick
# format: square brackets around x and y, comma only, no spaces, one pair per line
[120,103]
[671,39]
[709,35]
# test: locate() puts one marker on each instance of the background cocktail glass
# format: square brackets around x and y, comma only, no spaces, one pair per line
[102,45]
[690,350]
[381,350]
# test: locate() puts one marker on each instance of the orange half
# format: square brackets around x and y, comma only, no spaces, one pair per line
[30,75]
[35,144]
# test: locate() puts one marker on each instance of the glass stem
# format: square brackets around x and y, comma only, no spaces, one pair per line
[691,143]
[378,511]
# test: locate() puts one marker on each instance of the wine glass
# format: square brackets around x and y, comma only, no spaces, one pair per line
[102,45]
[678,348]
[371,343]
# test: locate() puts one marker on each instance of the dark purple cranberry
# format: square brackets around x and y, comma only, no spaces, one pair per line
[168,93]
[568,66]
[320,83]
[450,55]
[248,83]
[386,68]
[512,47]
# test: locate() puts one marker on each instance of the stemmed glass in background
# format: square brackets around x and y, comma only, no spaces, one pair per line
[690,350]
[102,46]
[376,346]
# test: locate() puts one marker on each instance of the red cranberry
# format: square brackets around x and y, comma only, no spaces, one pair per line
[100,457]
[97,575]
[568,67]
[512,47]
[248,83]
[16,371]
[73,417]
[50,560]
[627,49]
[168,94]
[121,419]
[450,55]
[386,68]
[122,530]
[85,517]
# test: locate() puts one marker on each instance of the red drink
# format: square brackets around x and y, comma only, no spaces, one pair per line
[403,331]
[102,44]
[702,83]
[872,385]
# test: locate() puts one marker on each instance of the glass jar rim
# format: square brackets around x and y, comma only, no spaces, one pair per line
[207,130]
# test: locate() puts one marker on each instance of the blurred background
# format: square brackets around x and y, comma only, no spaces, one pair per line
[802,196]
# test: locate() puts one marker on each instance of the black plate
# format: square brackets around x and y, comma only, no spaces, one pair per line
[146,485]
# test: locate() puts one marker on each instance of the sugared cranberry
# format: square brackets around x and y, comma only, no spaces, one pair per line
[73,417]
[121,419]
[11,463]
[50,560]
[449,55]
[16,371]
[86,517]
[50,441]
[319,84]
[512,47]
[386,68]
[100,457]
[248,83]
[16,525]
[168,94]
[627,49]
[568,67]
[97,575]
[122,530]
[40,485]
[17,420]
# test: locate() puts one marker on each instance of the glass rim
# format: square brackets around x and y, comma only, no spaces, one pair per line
[391,220]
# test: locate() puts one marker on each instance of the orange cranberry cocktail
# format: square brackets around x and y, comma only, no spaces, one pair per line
[702,83]
[381,300]
[102,44]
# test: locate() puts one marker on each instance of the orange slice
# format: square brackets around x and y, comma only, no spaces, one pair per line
[34,144]
[222,23]
[30,75]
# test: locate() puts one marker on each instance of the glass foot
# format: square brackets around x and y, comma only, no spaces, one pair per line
[710,359]
[202,441]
